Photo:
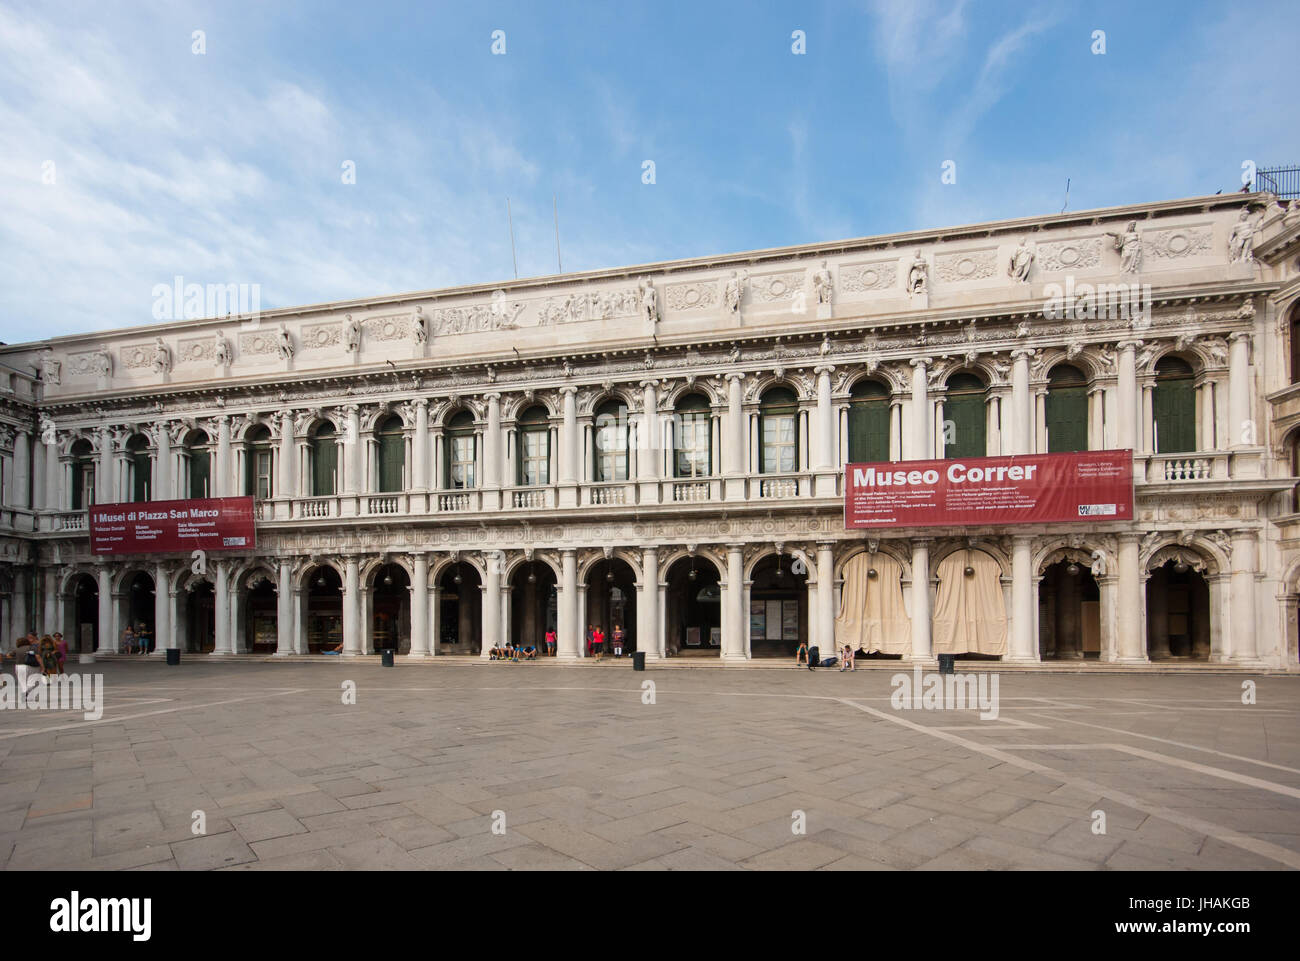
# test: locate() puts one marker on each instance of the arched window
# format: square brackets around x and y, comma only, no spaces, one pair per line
[609,447]
[778,427]
[198,460]
[1174,406]
[461,457]
[140,466]
[868,422]
[534,460]
[83,475]
[1295,344]
[258,463]
[324,448]
[391,454]
[963,414]
[1067,410]
[692,441]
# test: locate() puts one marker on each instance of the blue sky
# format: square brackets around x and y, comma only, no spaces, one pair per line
[226,167]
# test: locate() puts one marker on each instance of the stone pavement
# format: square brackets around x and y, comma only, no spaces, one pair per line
[575,771]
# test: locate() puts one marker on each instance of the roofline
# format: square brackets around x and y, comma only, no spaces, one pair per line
[741,258]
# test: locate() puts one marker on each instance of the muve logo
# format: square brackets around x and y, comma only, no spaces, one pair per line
[78,915]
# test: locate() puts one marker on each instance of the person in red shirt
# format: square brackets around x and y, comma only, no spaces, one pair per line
[598,642]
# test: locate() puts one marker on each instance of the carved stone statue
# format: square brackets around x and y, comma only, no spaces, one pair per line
[918,277]
[1098,564]
[1241,242]
[734,292]
[162,358]
[222,350]
[51,370]
[823,285]
[420,326]
[351,334]
[286,343]
[1021,261]
[649,302]
[1129,245]
[49,434]
[103,361]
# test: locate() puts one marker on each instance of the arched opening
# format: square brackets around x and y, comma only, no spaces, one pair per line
[778,606]
[872,616]
[81,613]
[964,423]
[778,420]
[610,442]
[693,607]
[1295,344]
[1067,410]
[323,610]
[1069,612]
[390,438]
[82,494]
[970,612]
[533,465]
[261,615]
[390,601]
[868,422]
[1178,612]
[137,610]
[259,460]
[140,468]
[460,614]
[323,450]
[1293,451]
[532,605]
[200,617]
[611,601]
[460,463]
[196,463]
[692,437]
[1174,406]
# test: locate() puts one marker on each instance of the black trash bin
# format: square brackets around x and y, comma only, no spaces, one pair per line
[946,663]
[386,657]
[173,655]
[638,660]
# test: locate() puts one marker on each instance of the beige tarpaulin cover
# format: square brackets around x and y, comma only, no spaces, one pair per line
[872,616]
[970,615]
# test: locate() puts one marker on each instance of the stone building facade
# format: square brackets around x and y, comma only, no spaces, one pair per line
[663,448]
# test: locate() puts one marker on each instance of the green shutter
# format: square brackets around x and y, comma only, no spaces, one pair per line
[199,473]
[966,414]
[1175,415]
[869,431]
[324,463]
[140,477]
[392,456]
[1067,419]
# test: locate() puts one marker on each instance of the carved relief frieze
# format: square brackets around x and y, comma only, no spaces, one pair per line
[965,265]
[861,278]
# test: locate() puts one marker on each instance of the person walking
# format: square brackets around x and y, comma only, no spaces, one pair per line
[591,640]
[27,664]
[61,652]
[128,640]
[598,642]
[619,636]
[550,642]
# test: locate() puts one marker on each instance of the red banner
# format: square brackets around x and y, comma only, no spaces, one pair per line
[979,491]
[211,524]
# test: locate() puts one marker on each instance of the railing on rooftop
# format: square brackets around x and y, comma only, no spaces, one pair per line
[1284,182]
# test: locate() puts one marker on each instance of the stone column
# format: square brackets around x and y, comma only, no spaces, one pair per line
[568,645]
[492,454]
[1244,642]
[221,475]
[825,596]
[162,485]
[492,603]
[53,475]
[420,448]
[824,453]
[285,622]
[21,494]
[104,486]
[1239,392]
[288,460]
[922,445]
[49,596]
[733,638]
[352,607]
[648,453]
[434,608]
[734,461]
[1023,607]
[1021,432]
[921,633]
[1127,395]
[221,613]
[648,637]
[162,609]
[1131,646]
[420,644]
[570,437]
[351,450]
[108,641]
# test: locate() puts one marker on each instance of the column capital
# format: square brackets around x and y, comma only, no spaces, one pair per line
[492,396]
[1131,536]
[1023,539]
[734,375]
[1129,344]
[921,361]
[922,541]
[824,369]
[421,402]
[569,389]
[1023,353]
[1240,335]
